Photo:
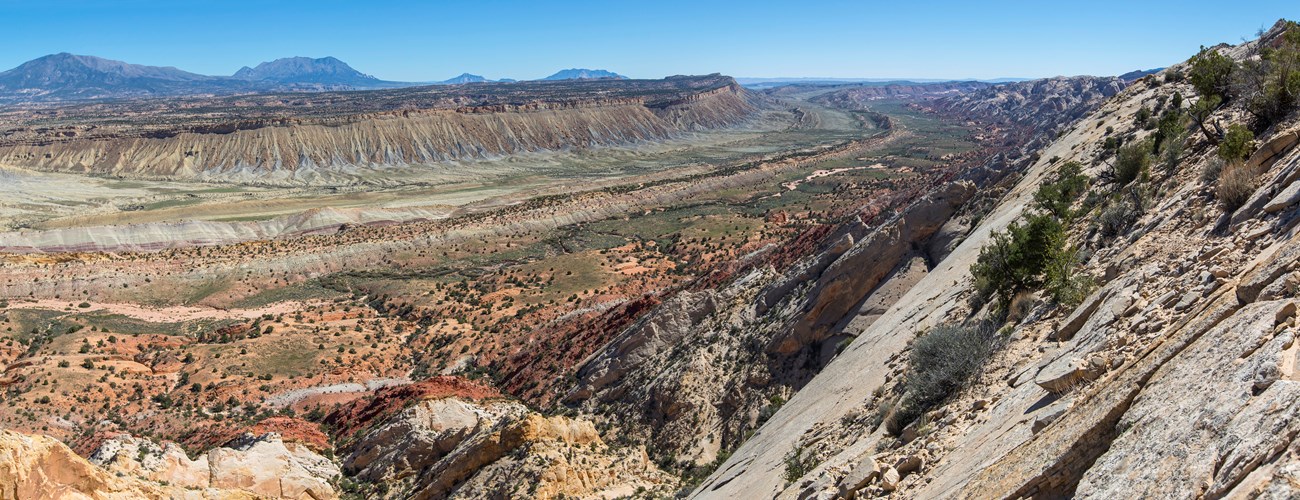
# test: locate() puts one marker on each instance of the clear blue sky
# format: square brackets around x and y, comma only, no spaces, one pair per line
[430,40]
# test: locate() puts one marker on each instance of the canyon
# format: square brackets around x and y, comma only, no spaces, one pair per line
[613,288]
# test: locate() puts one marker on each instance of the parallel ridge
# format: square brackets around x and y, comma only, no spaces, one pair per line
[325,141]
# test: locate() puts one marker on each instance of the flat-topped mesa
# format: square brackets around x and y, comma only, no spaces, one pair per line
[297,137]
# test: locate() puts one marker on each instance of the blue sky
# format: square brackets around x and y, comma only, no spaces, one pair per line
[431,40]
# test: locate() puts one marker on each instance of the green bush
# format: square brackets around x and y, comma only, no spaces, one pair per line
[1238,143]
[941,363]
[1062,280]
[1273,81]
[1211,73]
[1058,195]
[1133,162]
[1171,137]
[1142,117]
[797,464]
[1014,260]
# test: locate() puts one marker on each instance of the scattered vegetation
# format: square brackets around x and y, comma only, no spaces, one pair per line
[941,363]
[1035,252]
[797,464]
[1268,86]
[1133,162]
[1271,84]
[1235,185]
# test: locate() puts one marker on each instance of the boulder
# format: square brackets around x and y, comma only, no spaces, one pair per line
[889,479]
[860,475]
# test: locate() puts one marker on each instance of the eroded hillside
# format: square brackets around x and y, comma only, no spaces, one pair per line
[1156,361]
[1063,287]
[328,136]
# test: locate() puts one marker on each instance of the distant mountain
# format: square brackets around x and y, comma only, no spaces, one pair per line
[325,70]
[464,78]
[68,76]
[584,74]
[1134,75]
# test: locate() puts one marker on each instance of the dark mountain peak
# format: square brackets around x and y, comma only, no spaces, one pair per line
[1132,76]
[64,68]
[325,70]
[584,74]
[465,78]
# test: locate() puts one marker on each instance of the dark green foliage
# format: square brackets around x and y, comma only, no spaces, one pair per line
[1211,73]
[1063,282]
[1014,260]
[1142,117]
[1133,162]
[1171,135]
[941,363]
[1273,81]
[797,464]
[1057,196]
[1238,142]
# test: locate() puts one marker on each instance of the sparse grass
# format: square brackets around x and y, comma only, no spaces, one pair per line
[941,363]
[1235,186]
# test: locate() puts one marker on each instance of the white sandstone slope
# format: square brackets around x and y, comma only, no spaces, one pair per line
[1176,378]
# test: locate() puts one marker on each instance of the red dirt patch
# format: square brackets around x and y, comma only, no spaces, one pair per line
[350,418]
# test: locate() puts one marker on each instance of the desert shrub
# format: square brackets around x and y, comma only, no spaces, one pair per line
[1236,184]
[1211,171]
[1142,117]
[941,363]
[1014,260]
[1062,279]
[1271,84]
[1173,135]
[1133,162]
[797,464]
[1211,73]
[1237,144]
[1058,195]
[1121,213]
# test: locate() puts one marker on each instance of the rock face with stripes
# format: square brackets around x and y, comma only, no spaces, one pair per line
[1176,378]
[410,131]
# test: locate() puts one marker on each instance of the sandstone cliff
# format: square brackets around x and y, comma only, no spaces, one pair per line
[1173,379]
[335,140]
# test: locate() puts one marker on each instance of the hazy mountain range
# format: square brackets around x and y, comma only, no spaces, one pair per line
[66,76]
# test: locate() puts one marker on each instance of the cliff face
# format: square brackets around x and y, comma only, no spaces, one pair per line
[860,97]
[1174,378]
[43,467]
[310,148]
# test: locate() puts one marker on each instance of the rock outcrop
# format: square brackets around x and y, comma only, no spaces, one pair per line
[265,466]
[1175,378]
[43,467]
[451,447]
[350,138]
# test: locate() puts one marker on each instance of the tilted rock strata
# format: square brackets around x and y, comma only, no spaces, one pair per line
[1174,379]
[43,467]
[310,149]
[261,465]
